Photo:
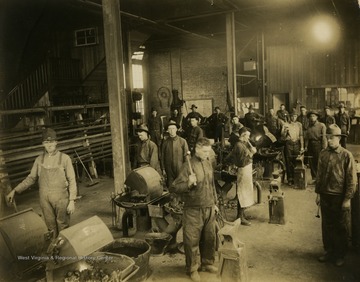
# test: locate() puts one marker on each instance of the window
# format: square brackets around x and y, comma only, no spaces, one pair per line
[138,83]
[137,72]
[85,37]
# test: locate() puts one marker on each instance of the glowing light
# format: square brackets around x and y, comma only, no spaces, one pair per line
[322,32]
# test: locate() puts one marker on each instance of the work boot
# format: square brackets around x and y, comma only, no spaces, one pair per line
[339,262]
[194,276]
[325,258]
[209,268]
[244,221]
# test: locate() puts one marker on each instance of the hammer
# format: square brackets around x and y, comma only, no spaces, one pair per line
[188,161]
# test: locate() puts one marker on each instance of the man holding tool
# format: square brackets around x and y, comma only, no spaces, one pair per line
[195,184]
[57,184]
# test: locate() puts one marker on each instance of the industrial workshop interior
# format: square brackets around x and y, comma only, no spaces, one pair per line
[203,140]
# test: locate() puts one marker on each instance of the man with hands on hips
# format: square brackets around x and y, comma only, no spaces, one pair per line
[57,184]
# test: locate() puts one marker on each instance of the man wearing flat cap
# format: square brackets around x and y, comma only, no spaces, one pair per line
[57,184]
[344,122]
[315,141]
[335,186]
[146,150]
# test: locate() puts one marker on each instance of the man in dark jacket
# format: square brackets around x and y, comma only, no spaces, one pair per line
[155,127]
[252,118]
[195,133]
[195,184]
[327,119]
[335,186]
[217,122]
[173,153]
[146,150]
[315,141]
[283,114]
[344,122]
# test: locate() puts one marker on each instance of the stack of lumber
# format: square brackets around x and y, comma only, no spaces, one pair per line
[92,142]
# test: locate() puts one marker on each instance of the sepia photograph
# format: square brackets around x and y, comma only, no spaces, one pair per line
[179,140]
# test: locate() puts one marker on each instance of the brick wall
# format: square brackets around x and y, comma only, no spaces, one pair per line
[195,73]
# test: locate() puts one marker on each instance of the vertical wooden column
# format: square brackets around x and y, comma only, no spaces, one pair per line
[116,90]
[231,58]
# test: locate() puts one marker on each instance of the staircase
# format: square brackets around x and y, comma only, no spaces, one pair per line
[51,74]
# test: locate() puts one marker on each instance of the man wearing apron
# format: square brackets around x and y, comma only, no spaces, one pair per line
[241,156]
[57,184]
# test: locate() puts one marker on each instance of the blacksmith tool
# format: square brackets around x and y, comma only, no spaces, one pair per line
[92,182]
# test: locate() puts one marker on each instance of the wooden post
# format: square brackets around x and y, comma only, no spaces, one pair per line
[117,95]
[231,58]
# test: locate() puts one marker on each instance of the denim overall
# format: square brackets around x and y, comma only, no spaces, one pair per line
[54,196]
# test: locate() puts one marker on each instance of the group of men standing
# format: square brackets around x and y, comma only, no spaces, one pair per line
[187,166]
[305,133]
[333,169]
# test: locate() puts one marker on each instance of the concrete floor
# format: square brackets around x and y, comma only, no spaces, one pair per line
[274,252]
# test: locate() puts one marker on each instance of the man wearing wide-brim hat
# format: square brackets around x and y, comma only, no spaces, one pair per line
[55,175]
[335,186]
[146,152]
[315,140]
[193,114]
[343,120]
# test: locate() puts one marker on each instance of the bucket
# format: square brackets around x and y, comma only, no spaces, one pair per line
[136,249]
[158,242]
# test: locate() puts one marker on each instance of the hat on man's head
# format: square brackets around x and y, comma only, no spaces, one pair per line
[49,135]
[153,109]
[251,107]
[334,130]
[293,113]
[142,127]
[341,105]
[193,106]
[172,122]
[216,108]
[312,112]
[243,130]
[326,108]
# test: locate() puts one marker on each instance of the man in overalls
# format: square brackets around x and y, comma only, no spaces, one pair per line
[57,184]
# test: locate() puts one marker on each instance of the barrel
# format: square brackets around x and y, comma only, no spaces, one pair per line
[137,249]
[24,238]
[145,180]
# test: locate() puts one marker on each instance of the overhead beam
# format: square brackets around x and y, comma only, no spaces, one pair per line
[164,25]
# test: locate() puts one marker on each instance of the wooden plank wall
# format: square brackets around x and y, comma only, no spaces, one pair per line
[292,69]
